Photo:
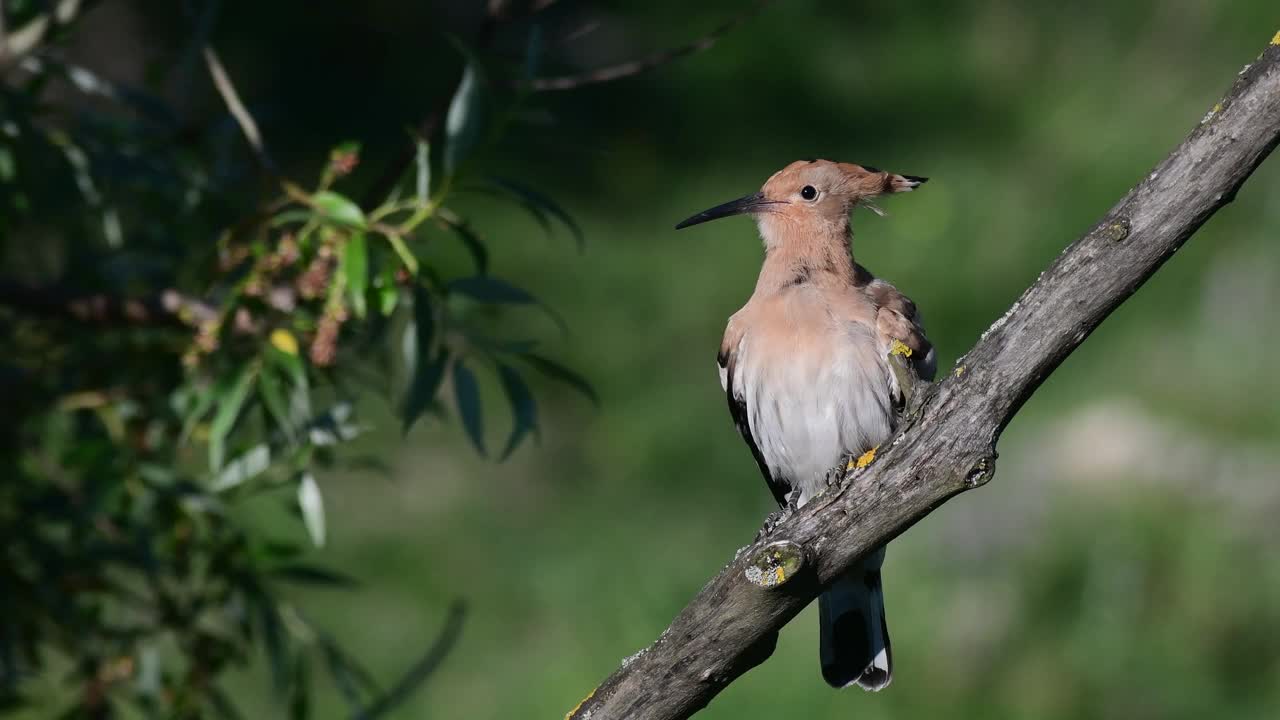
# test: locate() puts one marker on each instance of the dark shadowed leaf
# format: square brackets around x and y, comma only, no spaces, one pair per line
[222,704]
[355,266]
[421,670]
[427,366]
[312,575]
[352,680]
[524,411]
[540,205]
[467,394]
[339,208]
[533,53]
[491,290]
[271,629]
[473,244]
[556,371]
[300,688]
[423,389]
[464,123]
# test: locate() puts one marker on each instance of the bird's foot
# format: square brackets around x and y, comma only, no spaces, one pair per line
[771,521]
[777,517]
[793,502]
[837,473]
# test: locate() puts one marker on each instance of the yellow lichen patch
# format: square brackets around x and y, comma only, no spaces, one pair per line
[959,370]
[780,574]
[580,703]
[1276,40]
[284,341]
[865,459]
[899,348]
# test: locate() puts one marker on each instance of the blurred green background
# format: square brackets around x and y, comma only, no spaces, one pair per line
[1122,564]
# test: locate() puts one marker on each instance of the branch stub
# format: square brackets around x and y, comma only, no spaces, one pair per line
[775,564]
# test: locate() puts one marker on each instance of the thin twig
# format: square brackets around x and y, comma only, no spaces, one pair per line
[495,14]
[168,307]
[248,126]
[610,73]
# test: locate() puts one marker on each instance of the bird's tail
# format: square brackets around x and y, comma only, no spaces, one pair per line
[854,634]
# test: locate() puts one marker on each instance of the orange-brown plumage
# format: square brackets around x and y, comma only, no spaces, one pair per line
[804,365]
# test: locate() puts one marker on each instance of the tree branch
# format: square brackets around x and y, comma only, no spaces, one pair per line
[949,443]
[167,308]
[248,126]
[496,12]
[635,67]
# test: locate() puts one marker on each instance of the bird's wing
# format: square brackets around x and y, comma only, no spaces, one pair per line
[898,319]
[902,338]
[731,382]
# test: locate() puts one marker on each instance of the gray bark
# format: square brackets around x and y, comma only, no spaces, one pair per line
[948,444]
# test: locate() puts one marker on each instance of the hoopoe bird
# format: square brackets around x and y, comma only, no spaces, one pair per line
[806,368]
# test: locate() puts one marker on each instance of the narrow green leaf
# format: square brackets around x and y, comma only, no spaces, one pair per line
[229,406]
[243,468]
[345,673]
[311,502]
[294,369]
[422,161]
[486,288]
[560,373]
[524,411]
[421,670]
[474,246]
[296,216]
[467,394]
[340,209]
[388,291]
[464,123]
[273,397]
[539,204]
[203,402]
[355,265]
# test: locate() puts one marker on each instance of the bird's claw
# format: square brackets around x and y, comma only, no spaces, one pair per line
[793,502]
[771,521]
[836,474]
[781,515]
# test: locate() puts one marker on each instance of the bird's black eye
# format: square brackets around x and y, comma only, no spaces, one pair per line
[808,192]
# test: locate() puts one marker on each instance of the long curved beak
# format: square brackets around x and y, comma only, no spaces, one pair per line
[742,206]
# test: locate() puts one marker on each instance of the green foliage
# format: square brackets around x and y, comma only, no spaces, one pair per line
[162,382]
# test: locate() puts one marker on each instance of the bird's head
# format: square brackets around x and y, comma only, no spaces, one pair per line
[814,193]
